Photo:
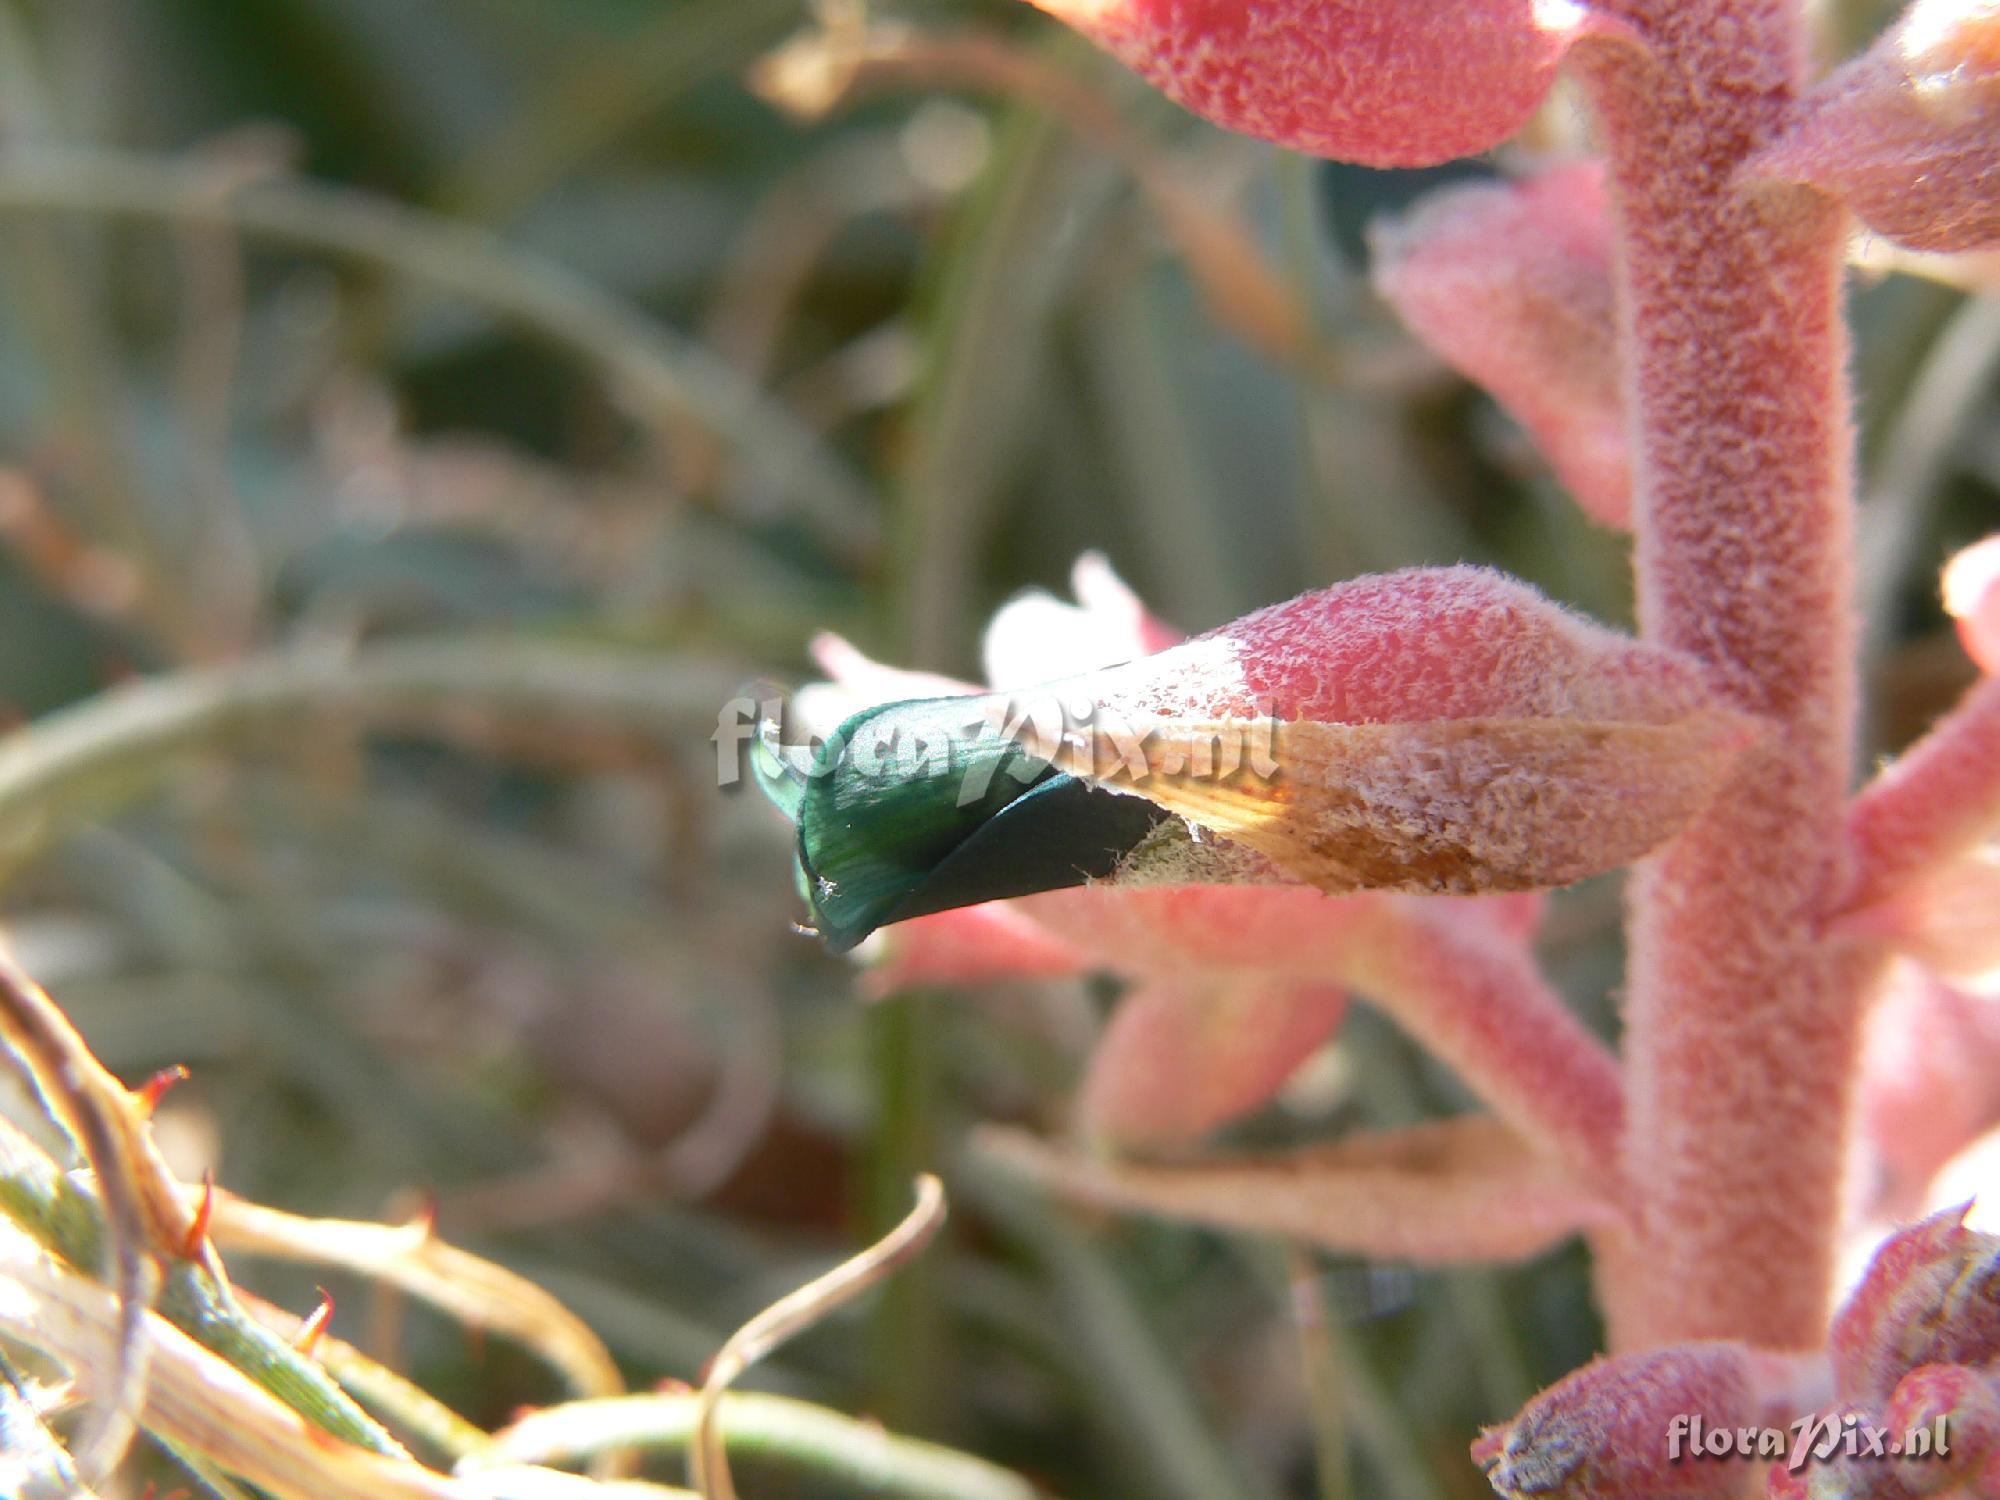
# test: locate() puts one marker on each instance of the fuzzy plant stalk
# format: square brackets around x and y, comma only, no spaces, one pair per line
[1741,1018]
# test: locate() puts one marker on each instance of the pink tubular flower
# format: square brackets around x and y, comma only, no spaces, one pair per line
[1436,730]
[1446,733]
[1908,134]
[1235,984]
[1511,282]
[1197,1043]
[1387,83]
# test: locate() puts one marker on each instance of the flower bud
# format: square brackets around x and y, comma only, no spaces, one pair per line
[1386,83]
[1659,1425]
[1931,1296]
[1957,1409]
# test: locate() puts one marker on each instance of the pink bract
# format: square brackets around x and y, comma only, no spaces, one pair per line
[1381,82]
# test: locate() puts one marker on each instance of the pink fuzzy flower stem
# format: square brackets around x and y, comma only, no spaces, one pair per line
[1938,802]
[1741,1026]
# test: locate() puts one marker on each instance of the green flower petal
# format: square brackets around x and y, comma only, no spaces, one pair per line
[921,807]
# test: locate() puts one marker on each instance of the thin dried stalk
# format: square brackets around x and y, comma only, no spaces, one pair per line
[195,1400]
[143,1212]
[48,1204]
[708,1461]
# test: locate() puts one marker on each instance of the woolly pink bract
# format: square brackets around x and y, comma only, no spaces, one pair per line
[1385,83]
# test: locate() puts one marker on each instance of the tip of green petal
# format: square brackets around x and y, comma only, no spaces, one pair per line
[925,806]
[780,771]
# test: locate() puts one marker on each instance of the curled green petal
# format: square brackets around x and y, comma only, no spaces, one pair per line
[781,771]
[920,807]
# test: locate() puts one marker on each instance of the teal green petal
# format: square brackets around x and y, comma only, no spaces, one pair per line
[920,807]
[780,771]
